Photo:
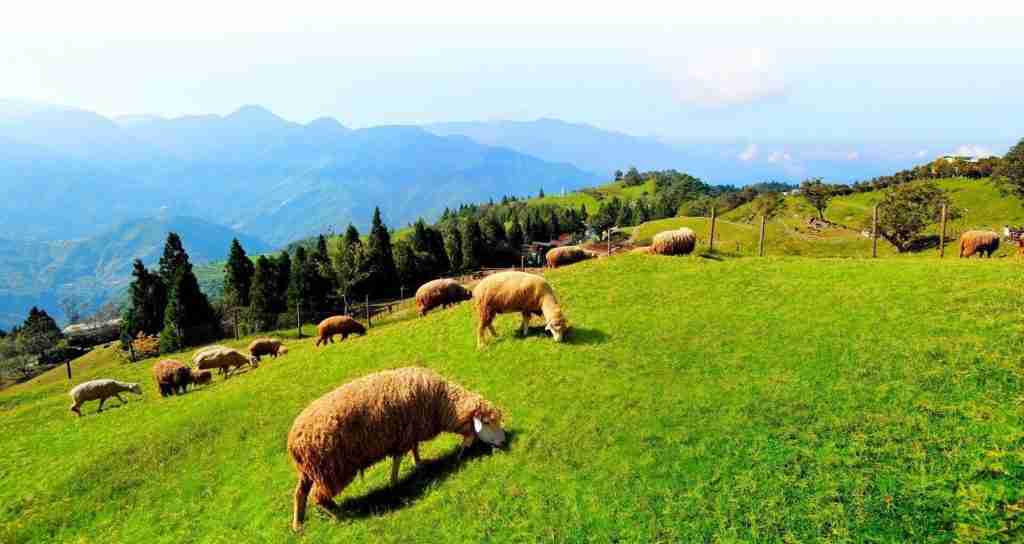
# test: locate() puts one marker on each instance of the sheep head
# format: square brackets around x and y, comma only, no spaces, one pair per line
[557,327]
[487,424]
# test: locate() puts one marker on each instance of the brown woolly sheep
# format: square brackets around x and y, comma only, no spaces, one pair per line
[381,415]
[265,346]
[339,324]
[513,291]
[642,250]
[982,242]
[561,256]
[223,359]
[443,292]
[201,377]
[674,242]
[172,377]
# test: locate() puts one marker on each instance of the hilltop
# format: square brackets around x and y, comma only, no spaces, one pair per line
[695,400]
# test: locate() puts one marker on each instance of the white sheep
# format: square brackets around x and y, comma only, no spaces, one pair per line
[102,390]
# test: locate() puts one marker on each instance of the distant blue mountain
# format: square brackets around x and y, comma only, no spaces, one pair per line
[251,170]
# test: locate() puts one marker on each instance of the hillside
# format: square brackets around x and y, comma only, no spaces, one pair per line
[99,268]
[250,170]
[773,407]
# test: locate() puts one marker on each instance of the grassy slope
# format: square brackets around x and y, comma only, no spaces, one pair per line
[588,198]
[787,234]
[749,399]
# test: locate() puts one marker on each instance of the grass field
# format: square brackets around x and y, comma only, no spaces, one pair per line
[698,399]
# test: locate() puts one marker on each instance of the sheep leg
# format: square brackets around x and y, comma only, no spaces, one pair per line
[467,441]
[76,408]
[396,464]
[526,323]
[118,395]
[301,497]
[100,409]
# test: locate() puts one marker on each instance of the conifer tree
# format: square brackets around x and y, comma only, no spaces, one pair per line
[472,245]
[237,277]
[382,275]
[262,294]
[453,245]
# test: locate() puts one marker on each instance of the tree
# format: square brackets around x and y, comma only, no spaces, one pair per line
[515,234]
[618,175]
[768,205]
[148,300]
[632,177]
[262,294]
[303,275]
[453,245]
[817,194]
[350,264]
[472,244]
[237,276]
[906,210]
[188,316]
[540,194]
[38,333]
[282,276]
[1010,171]
[380,258]
[406,265]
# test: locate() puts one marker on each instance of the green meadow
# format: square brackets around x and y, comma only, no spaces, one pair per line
[697,399]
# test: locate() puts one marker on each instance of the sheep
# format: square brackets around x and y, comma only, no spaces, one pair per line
[339,324]
[982,242]
[514,291]
[384,414]
[201,377]
[196,357]
[171,377]
[642,250]
[222,358]
[443,292]
[101,389]
[561,256]
[265,346]
[674,242]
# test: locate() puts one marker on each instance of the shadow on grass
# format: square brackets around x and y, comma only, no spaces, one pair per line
[576,336]
[413,485]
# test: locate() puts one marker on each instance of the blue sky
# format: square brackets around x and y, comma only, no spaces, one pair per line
[951,82]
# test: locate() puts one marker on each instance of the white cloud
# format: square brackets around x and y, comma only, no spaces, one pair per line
[731,78]
[973,150]
[748,154]
[853,155]
[921,154]
[780,156]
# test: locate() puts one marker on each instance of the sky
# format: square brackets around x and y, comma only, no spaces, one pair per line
[679,77]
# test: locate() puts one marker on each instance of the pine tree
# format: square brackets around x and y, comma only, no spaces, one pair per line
[515,234]
[407,265]
[380,256]
[262,294]
[148,300]
[472,245]
[38,333]
[282,276]
[453,245]
[237,277]
[188,316]
[540,194]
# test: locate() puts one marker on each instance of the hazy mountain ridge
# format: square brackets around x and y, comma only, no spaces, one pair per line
[251,169]
[98,268]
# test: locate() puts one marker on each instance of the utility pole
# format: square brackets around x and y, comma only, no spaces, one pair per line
[874,232]
[711,238]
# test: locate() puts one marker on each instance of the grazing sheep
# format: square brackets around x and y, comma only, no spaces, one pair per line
[224,359]
[982,242]
[196,356]
[339,324]
[443,292]
[100,389]
[561,256]
[642,250]
[265,346]
[514,291]
[384,414]
[674,242]
[201,377]
[172,377]
[283,350]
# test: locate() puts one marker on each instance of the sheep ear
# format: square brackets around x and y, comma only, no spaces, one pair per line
[477,424]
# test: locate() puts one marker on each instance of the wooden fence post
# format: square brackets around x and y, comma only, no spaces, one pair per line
[298,317]
[236,323]
[874,232]
[711,238]
[68,364]
[942,234]
[368,323]
[760,241]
